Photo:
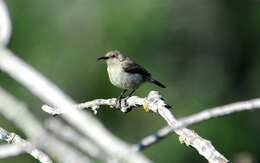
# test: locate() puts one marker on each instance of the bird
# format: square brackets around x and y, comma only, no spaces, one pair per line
[126,74]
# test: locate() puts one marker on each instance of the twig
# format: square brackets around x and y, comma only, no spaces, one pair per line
[5,24]
[154,138]
[25,145]
[220,111]
[9,150]
[200,117]
[155,103]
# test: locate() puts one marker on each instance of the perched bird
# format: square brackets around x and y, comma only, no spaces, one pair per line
[125,73]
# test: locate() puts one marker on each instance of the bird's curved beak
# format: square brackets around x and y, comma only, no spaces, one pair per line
[102,58]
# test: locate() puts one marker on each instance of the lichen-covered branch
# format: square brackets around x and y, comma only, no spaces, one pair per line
[13,138]
[182,122]
[155,103]
[200,117]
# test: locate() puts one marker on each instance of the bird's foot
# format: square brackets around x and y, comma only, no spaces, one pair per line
[121,104]
[118,100]
[125,107]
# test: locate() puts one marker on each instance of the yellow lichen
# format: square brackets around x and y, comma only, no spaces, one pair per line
[181,140]
[187,143]
[111,106]
[146,108]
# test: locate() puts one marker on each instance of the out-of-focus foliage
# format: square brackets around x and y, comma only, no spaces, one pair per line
[206,52]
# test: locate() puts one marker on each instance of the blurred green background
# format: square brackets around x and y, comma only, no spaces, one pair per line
[205,52]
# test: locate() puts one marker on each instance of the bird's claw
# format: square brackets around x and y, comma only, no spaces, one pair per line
[122,105]
[127,108]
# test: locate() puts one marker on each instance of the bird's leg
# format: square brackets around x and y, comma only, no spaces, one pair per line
[130,94]
[118,100]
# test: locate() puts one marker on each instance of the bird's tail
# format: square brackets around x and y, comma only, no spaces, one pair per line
[150,79]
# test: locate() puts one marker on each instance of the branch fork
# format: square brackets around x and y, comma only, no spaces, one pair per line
[156,104]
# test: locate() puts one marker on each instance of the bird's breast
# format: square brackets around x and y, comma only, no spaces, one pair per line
[122,79]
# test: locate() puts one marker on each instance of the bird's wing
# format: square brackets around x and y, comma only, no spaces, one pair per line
[132,67]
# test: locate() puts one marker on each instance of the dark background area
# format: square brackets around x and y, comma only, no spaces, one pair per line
[205,52]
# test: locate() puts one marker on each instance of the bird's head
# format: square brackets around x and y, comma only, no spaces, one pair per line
[113,57]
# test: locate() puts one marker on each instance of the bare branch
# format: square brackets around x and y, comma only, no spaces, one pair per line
[64,152]
[9,150]
[70,135]
[25,145]
[11,108]
[5,24]
[154,138]
[155,103]
[220,111]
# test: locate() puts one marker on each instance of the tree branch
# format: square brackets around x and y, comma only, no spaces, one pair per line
[155,103]
[220,111]
[70,135]
[200,117]
[154,138]
[9,150]
[11,108]
[13,138]
[5,24]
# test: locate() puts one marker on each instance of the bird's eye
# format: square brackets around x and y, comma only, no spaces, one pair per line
[113,56]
